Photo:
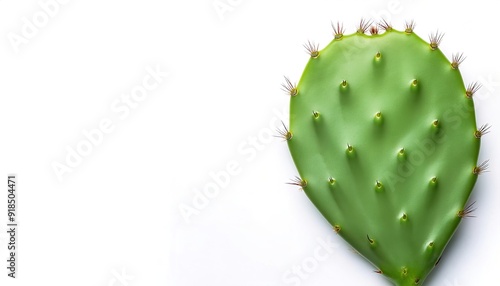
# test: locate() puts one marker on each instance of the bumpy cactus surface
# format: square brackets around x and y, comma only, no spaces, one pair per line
[383,134]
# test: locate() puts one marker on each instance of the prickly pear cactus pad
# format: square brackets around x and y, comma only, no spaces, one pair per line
[383,134]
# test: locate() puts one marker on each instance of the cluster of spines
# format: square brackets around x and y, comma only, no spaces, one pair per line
[338,30]
[434,42]
[409,26]
[467,211]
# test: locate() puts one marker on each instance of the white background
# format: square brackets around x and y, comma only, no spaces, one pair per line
[115,218]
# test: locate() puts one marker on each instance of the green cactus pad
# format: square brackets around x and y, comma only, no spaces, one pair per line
[383,134]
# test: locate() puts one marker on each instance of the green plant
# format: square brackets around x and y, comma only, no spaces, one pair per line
[383,134]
